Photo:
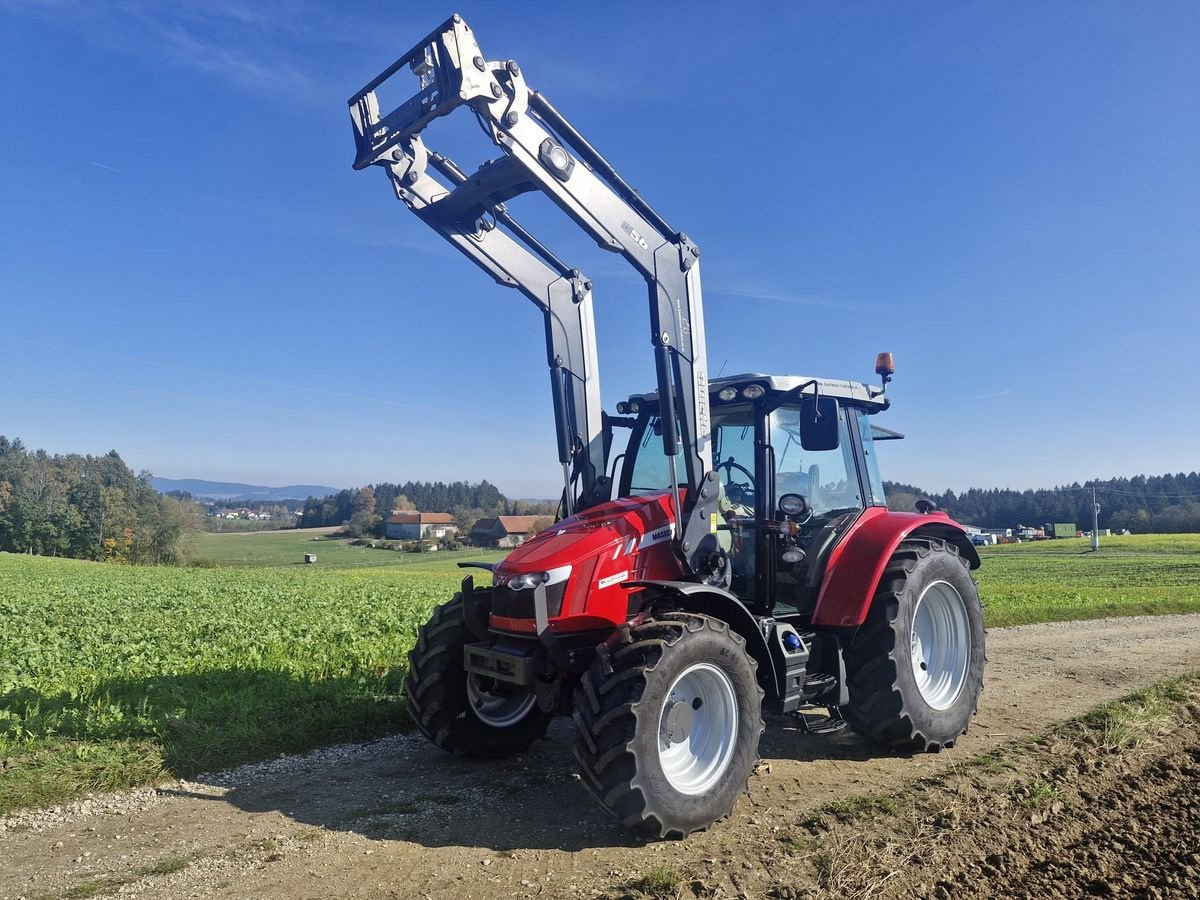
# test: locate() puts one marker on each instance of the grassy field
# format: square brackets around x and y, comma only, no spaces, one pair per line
[1046,581]
[1113,545]
[287,548]
[111,676]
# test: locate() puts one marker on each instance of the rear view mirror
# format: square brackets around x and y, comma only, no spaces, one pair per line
[819,423]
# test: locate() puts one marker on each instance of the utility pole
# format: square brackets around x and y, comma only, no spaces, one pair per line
[1095,522]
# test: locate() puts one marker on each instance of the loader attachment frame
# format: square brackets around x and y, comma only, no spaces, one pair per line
[542,151]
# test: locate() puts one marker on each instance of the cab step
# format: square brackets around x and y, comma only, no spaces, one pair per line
[820,723]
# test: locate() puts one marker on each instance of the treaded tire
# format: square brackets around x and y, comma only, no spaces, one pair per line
[618,709]
[886,703]
[436,693]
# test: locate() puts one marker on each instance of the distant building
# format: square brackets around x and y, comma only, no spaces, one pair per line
[417,526]
[503,531]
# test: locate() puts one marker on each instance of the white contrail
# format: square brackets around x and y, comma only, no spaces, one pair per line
[103,166]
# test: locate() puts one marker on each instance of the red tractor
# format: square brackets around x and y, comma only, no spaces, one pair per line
[731,553]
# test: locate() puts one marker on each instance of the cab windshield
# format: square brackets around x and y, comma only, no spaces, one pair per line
[733,457]
[828,479]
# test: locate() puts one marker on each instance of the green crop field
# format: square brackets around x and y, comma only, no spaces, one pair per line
[112,676]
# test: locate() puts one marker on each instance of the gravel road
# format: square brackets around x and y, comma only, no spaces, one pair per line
[397,818]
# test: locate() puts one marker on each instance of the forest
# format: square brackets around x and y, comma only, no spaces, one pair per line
[1161,504]
[87,507]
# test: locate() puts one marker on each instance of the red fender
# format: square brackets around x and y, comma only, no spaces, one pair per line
[857,562]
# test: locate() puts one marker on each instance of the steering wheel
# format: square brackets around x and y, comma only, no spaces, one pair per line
[741,493]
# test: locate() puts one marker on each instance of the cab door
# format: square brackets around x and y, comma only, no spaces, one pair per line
[832,484]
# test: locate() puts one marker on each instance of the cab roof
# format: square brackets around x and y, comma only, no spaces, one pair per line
[866,396]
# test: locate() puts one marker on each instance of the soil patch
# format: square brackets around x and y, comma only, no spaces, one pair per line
[1105,806]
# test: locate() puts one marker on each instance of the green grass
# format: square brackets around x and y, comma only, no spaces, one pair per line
[1036,795]
[111,676]
[1137,717]
[1046,581]
[1112,545]
[659,882]
[287,548]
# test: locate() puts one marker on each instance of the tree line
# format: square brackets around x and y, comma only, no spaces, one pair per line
[87,507]
[1144,503]
[97,508]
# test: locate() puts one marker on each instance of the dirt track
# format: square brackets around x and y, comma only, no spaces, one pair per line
[396,818]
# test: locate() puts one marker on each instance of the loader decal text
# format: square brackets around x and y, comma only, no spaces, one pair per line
[633,233]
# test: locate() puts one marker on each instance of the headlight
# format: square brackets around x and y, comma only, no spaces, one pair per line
[793,504]
[753,391]
[727,394]
[528,580]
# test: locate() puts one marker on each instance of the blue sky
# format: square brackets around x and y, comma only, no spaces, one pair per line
[1007,196]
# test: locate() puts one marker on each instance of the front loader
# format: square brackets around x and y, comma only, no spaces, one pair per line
[724,546]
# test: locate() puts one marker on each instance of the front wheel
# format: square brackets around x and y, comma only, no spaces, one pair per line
[915,668]
[461,712]
[667,724]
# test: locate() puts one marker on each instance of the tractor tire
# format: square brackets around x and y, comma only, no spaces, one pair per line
[466,715]
[915,667]
[667,722]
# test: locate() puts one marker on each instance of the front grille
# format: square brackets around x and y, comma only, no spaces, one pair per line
[519,604]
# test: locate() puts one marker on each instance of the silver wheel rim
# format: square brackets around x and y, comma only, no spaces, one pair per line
[496,709]
[698,728]
[940,645]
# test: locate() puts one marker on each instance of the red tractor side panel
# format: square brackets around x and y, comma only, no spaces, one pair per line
[857,562]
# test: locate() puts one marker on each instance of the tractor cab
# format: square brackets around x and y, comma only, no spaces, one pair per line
[796,464]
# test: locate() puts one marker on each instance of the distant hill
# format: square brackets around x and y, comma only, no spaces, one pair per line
[226,490]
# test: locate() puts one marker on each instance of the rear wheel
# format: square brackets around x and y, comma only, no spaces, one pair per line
[461,712]
[915,668]
[667,724]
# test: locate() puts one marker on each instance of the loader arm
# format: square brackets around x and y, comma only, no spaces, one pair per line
[543,151]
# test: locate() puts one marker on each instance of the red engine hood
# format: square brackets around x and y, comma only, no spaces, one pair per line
[644,520]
